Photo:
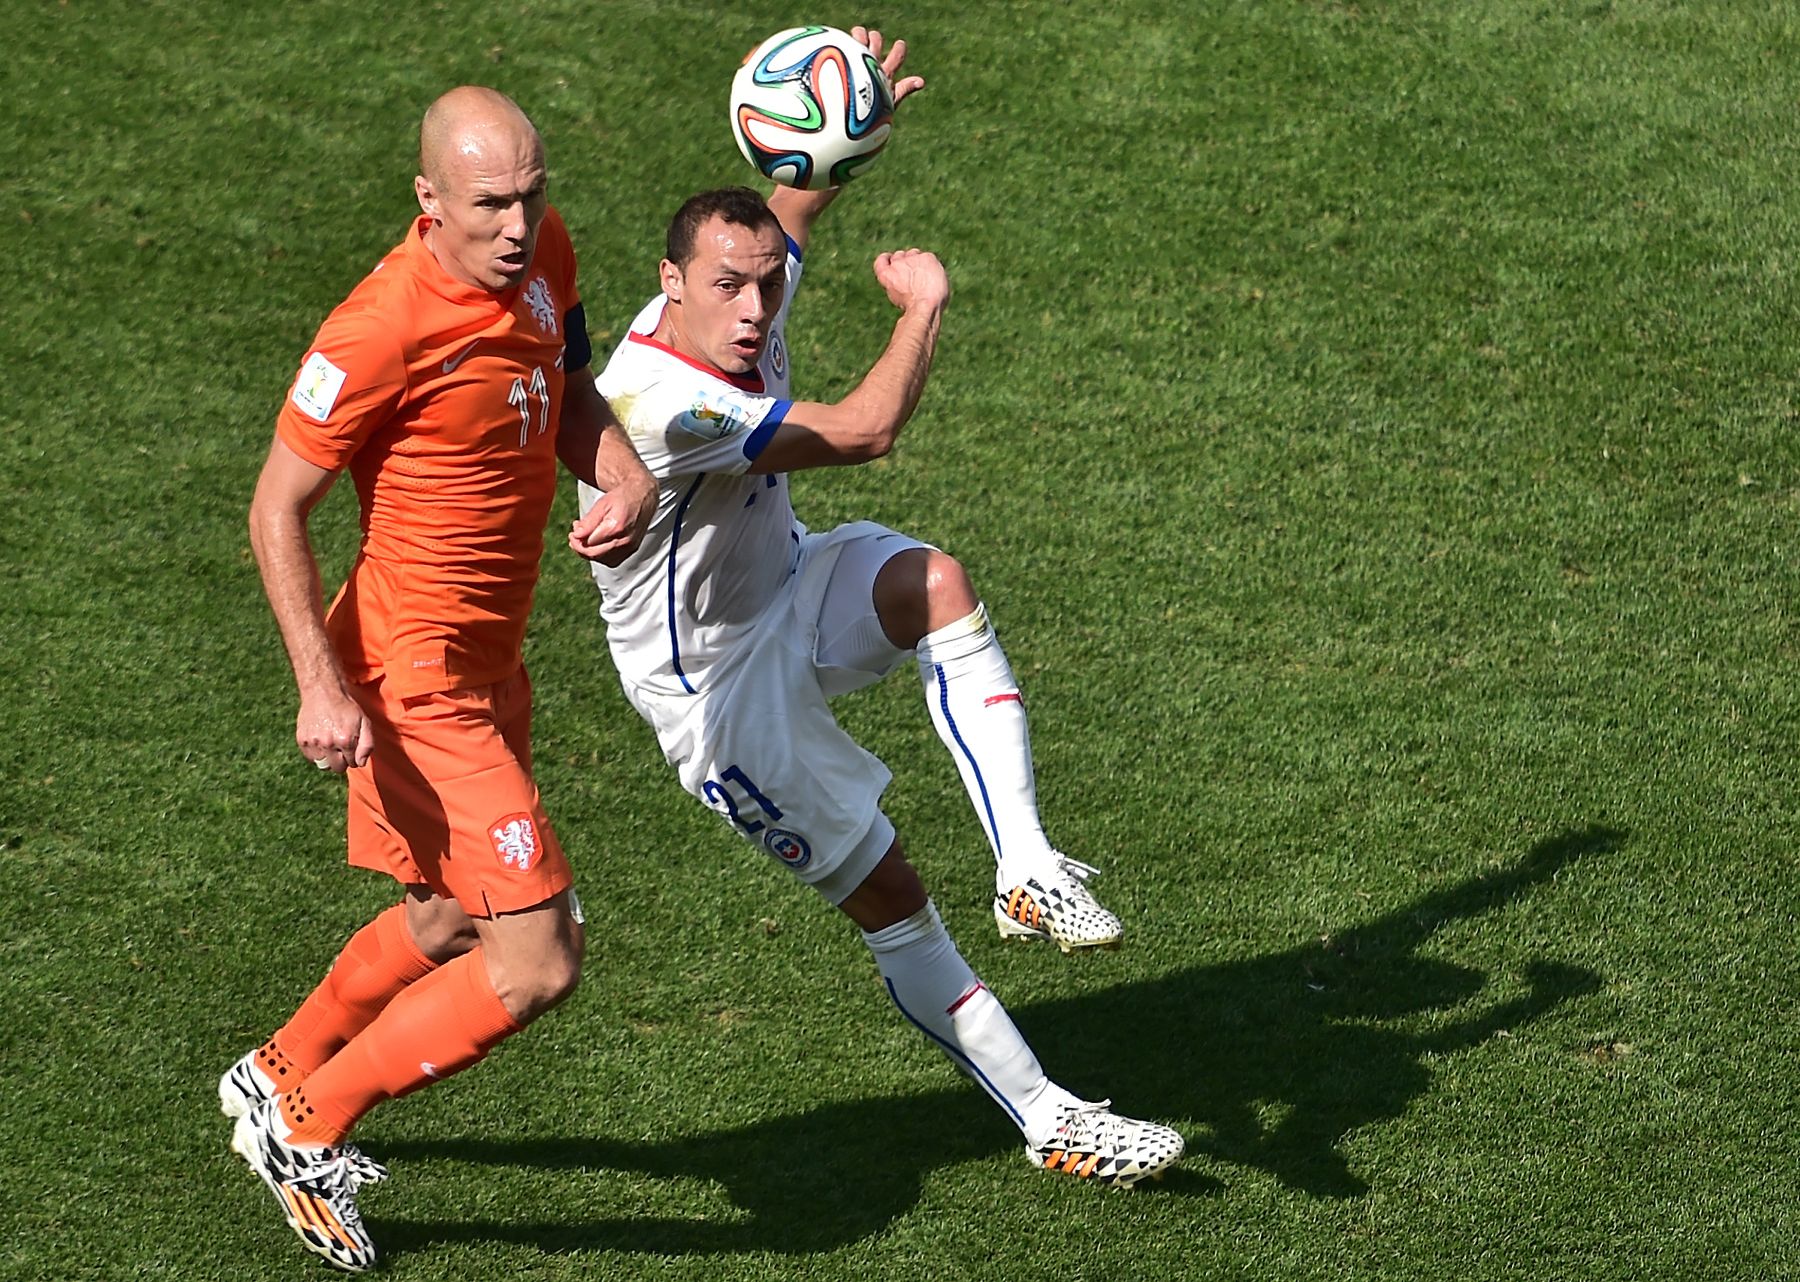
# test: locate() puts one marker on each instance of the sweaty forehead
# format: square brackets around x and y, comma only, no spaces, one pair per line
[495,159]
[752,251]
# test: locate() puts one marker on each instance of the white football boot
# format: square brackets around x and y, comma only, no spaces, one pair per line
[314,1186]
[1057,907]
[1095,1143]
[245,1085]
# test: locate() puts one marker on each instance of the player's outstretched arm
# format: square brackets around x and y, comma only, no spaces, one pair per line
[798,209]
[330,728]
[595,448]
[865,424]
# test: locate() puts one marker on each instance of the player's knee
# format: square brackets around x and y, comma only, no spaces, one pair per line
[534,959]
[529,990]
[949,592]
[558,979]
[920,590]
[559,967]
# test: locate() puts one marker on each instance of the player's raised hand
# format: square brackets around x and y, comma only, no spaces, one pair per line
[891,63]
[913,278]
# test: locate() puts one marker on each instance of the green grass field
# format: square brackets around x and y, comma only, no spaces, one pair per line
[1372,428]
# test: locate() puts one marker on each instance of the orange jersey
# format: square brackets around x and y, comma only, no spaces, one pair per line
[442,399]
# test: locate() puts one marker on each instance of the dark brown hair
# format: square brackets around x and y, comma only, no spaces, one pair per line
[739,206]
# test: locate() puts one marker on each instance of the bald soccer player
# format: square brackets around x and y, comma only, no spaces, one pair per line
[448,383]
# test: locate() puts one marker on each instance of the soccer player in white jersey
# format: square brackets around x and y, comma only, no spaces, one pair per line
[732,625]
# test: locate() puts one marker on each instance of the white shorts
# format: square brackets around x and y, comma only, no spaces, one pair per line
[758,743]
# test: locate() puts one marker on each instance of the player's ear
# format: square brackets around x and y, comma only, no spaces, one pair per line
[671,280]
[428,200]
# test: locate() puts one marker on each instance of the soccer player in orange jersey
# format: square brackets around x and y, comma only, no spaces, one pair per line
[448,384]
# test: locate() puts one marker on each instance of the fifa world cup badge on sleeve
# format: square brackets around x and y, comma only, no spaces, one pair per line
[715,415]
[316,389]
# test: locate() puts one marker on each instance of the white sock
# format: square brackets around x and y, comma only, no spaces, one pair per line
[935,989]
[975,704]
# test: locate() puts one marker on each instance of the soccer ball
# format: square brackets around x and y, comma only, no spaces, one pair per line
[811,108]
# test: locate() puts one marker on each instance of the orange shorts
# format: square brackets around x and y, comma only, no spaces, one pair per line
[446,799]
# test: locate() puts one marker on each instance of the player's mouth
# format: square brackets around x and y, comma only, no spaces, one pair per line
[749,349]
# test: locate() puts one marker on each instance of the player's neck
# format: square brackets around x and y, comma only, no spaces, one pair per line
[670,334]
[449,266]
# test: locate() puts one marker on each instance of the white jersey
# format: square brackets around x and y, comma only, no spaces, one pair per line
[722,543]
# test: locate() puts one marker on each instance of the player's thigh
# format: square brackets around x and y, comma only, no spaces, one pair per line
[763,751]
[445,800]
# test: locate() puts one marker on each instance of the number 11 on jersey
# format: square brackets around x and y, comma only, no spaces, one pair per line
[520,399]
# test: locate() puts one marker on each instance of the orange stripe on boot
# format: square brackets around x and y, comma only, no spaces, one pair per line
[298,1208]
[332,1224]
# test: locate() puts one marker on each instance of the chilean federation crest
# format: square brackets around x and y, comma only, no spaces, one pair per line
[789,847]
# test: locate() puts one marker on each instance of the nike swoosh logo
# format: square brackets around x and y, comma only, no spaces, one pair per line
[451,364]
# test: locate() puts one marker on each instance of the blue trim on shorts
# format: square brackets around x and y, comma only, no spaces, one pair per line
[758,440]
[674,547]
[944,706]
[961,1060]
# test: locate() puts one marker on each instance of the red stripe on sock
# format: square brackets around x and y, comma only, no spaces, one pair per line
[958,1003]
[1014,697]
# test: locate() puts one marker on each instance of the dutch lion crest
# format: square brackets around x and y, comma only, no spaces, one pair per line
[543,307]
[515,841]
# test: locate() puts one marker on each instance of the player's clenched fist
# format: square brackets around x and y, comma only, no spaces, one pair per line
[612,528]
[913,278]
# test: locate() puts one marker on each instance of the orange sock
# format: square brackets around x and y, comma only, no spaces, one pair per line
[277,1067]
[439,1026]
[378,962]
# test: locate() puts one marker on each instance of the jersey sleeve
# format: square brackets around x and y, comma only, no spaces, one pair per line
[351,382]
[683,429]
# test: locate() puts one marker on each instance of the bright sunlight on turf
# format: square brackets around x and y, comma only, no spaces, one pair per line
[1372,427]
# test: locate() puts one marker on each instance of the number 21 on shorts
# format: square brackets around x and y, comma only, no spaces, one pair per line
[735,807]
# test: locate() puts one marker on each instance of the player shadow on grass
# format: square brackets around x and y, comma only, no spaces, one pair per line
[1267,1063]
